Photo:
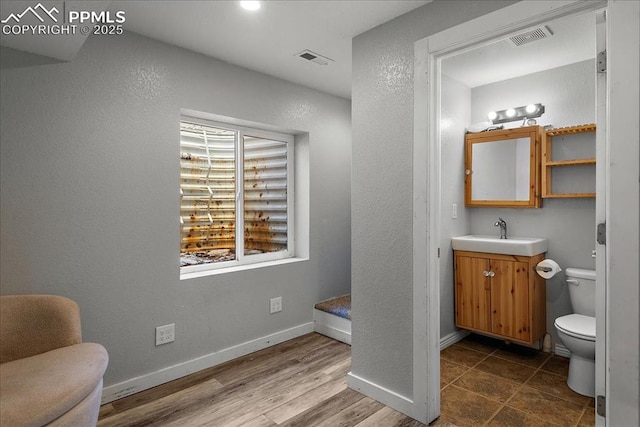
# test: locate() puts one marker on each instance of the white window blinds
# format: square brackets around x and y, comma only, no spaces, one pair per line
[207,191]
[265,195]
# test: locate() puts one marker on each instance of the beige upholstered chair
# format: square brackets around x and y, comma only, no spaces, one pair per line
[47,375]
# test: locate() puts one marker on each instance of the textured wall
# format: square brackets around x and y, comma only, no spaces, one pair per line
[90,198]
[568,94]
[382,114]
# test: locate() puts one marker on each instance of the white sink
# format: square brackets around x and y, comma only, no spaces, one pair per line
[526,246]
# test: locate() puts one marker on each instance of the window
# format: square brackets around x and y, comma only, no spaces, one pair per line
[236,206]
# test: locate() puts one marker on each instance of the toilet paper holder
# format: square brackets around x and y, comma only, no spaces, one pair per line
[547,268]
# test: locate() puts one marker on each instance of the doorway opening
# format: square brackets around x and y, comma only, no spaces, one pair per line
[451,102]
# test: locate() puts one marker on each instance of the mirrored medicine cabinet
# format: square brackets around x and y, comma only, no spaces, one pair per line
[502,168]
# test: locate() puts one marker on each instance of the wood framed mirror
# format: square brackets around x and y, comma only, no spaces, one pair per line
[502,168]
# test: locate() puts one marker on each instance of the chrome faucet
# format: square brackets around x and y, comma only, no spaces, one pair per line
[503,227]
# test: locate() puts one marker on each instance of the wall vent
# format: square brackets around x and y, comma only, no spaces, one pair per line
[530,36]
[316,58]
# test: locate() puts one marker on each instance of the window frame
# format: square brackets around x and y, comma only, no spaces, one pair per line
[241,259]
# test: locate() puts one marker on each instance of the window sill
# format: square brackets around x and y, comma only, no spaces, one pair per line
[216,271]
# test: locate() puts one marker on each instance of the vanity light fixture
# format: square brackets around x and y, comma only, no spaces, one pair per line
[512,114]
[250,5]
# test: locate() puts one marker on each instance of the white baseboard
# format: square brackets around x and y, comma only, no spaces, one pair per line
[144,382]
[560,350]
[332,326]
[390,398]
[452,338]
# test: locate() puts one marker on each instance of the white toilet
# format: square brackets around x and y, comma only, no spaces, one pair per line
[578,331]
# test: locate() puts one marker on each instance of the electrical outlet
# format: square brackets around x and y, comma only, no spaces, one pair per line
[165,334]
[276,305]
[454,211]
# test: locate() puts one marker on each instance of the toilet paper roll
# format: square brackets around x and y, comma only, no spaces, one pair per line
[547,268]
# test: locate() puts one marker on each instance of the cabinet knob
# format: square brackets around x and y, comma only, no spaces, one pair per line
[488,273]
[492,273]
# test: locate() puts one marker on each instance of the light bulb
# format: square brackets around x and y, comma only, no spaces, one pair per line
[250,5]
[510,112]
[531,108]
[492,115]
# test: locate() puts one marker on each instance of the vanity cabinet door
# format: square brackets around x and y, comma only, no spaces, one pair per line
[473,293]
[510,299]
[500,296]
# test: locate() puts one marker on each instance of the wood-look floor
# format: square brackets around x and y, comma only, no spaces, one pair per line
[301,382]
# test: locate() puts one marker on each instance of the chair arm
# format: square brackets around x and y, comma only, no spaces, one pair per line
[35,324]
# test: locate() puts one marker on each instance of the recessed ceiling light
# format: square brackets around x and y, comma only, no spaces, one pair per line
[250,5]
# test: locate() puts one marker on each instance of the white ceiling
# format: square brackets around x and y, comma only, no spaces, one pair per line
[267,40]
[573,40]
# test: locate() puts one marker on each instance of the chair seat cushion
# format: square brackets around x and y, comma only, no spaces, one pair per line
[36,390]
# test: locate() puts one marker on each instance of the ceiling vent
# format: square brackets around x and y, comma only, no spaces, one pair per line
[316,58]
[530,36]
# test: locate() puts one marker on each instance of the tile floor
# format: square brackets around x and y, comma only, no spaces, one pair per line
[485,382]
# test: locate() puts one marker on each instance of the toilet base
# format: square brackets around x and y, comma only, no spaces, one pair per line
[582,375]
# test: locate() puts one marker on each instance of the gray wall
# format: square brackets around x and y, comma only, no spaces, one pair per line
[568,94]
[455,117]
[90,180]
[382,120]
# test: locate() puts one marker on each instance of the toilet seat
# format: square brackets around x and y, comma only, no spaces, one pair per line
[577,326]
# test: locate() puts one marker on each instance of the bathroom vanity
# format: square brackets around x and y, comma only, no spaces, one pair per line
[500,294]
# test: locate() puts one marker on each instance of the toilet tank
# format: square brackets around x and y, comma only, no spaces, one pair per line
[582,290]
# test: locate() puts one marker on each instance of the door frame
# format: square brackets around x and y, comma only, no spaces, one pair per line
[428,55]
[601,216]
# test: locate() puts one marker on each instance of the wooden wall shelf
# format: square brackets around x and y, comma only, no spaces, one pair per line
[548,163]
[572,129]
[572,162]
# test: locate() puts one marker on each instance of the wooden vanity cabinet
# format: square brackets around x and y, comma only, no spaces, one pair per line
[500,296]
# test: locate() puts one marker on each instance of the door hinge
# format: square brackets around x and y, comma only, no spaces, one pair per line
[601,63]
[601,233]
[438,252]
[601,405]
